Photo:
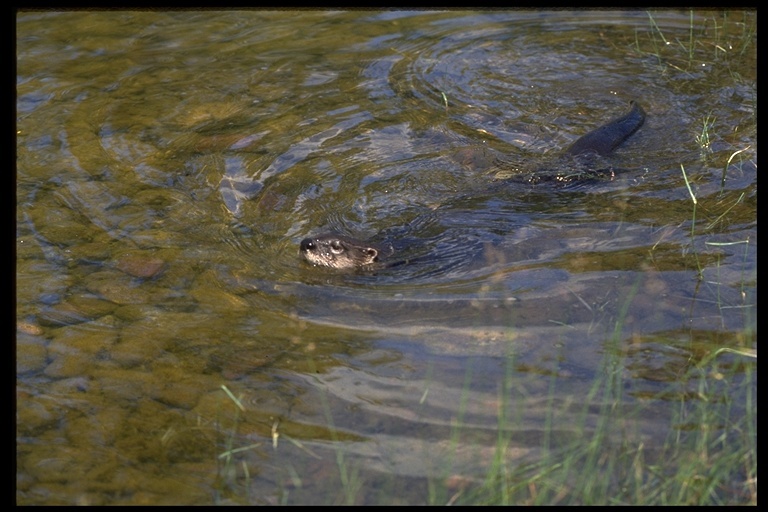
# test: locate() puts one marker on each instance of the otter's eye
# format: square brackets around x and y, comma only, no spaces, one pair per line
[336,247]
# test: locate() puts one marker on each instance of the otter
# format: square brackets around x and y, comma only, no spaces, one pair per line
[344,252]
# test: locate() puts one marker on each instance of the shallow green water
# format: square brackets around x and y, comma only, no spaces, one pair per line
[169,163]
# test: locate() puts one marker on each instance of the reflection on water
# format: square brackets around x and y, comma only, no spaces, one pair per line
[172,347]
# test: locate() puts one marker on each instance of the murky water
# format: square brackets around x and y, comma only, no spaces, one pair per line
[168,164]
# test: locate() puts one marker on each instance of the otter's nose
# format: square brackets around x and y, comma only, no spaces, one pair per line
[307,245]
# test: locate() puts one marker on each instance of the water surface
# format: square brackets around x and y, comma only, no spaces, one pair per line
[169,163]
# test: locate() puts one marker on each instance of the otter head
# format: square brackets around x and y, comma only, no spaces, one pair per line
[338,251]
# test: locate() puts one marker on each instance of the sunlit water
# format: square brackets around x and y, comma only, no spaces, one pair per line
[168,164]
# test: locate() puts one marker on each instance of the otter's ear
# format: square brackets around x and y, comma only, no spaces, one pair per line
[372,253]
